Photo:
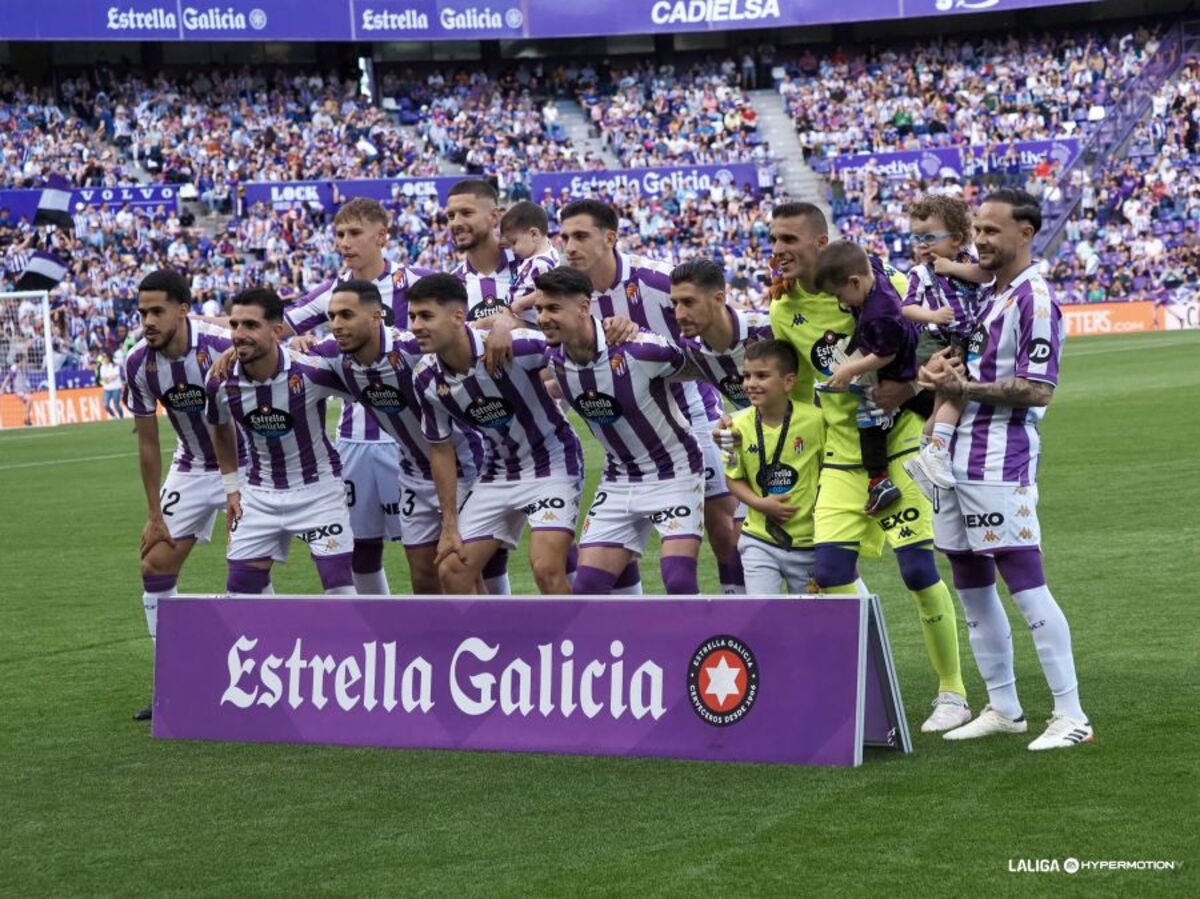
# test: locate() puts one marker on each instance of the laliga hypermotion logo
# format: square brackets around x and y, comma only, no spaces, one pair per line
[722,680]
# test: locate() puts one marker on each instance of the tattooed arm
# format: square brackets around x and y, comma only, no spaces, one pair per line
[1014,392]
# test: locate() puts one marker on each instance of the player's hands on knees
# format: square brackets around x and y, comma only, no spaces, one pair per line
[498,345]
[154,533]
[619,329]
[233,510]
[222,364]
[450,544]
[776,509]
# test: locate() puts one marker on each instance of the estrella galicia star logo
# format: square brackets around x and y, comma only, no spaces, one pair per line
[722,680]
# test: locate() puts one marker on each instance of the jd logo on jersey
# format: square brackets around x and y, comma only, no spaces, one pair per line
[722,680]
[384,398]
[598,407]
[266,421]
[185,398]
[490,412]
[1039,351]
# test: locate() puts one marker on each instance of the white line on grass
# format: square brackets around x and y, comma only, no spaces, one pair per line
[46,462]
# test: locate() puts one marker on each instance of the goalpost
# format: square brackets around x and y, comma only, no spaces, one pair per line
[26,360]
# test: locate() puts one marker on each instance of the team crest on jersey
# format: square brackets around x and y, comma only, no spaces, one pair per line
[798,444]
[203,358]
[295,384]
[443,390]
[617,362]
[400,278]
[394,359]
[722,680]
[631,292]
[1041,313]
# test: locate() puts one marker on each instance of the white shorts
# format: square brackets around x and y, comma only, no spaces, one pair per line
[984,518]
[499,509]
[190,503]
[420,512]
[623,514]
[767,567]
[315,514]
[714,466]
[372,475]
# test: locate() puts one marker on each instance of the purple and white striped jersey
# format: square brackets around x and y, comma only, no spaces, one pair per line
[1018,334]
[624,396]
[724,370]
[527,434]
[642,293]
[523,285]
[282,420]
[932,291]
[385,388]
[487,295]
[151,377]
[313,310]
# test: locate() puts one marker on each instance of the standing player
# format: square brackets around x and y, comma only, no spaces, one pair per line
[489,273]
[376,363]
[640,290]
[169,365]
[653,472]
[535,473]
[293,483]
[370,459]
[989,521]
[816,325]
[17,379]
[717,334]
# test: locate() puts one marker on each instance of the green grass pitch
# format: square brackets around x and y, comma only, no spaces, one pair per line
[90,804]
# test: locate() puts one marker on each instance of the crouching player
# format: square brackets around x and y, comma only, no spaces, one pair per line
[774,468]
[293,484]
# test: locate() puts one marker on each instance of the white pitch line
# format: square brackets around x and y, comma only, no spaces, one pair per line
[70,461]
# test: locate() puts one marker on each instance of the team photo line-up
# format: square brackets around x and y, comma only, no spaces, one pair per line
[867,408]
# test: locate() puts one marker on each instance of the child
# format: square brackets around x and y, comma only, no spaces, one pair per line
[773,469]
[942,292]
[883,346]
[524,229]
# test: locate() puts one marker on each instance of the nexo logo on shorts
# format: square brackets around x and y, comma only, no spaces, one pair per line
[722,680]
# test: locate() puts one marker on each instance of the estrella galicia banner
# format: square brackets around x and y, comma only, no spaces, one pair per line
[424,20]
[801,681]
[647,182]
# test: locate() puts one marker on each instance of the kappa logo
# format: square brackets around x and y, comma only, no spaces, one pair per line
[906,532]
[1025,534]
[546,502]
[722,680]
[991,537]
[798,319]
[1024,512]
[327,532]
[1020,491]
[443,390]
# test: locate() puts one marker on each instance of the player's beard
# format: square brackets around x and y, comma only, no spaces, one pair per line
[474,240]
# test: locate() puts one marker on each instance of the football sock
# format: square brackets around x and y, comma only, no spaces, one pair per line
[991,644]
[590,581]
[629,581]
[367,567]
[156,587]
[371,583]
[944,432]
[731,576]
[336,572]
[572,564]
[245,579]
[939,629]
[679,575]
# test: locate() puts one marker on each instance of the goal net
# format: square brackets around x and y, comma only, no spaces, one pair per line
[27,388]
